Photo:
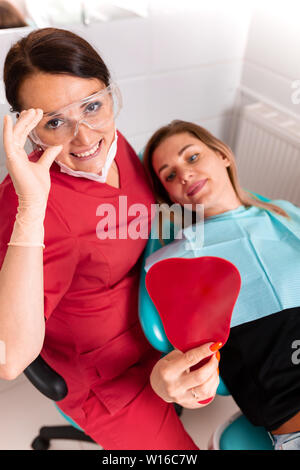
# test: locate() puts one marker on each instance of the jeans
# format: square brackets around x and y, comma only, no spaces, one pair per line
[289,441]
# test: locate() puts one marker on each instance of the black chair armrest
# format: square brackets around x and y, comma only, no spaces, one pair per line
[46,380]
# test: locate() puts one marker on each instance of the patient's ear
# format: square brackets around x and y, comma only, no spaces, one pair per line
[225,159]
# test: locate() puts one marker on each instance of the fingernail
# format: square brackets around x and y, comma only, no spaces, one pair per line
[204,402]
[214,347]
[218,356]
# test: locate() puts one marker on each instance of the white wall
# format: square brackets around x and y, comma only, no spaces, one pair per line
[183,61]
[271,63]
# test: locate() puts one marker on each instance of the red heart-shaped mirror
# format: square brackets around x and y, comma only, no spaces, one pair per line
[194,298]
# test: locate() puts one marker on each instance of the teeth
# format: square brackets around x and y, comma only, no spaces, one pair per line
[86,154]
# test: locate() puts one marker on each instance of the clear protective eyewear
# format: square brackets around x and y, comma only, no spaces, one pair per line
[96,111]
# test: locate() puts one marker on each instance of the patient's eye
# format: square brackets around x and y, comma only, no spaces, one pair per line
[193,157]
[170,177]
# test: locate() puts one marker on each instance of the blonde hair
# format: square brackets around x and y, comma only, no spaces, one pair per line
[178,127]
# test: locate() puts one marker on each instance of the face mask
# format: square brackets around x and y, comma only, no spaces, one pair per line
[93,176]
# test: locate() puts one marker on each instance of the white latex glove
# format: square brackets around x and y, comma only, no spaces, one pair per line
[31,180]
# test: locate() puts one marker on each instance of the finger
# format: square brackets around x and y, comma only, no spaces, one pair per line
[8,140]
[208,389]
[175,354]
[193,357]
[21,134]
[8,135]
[191,398]
[200,376]
[25,124]
[22,121]
[49,156]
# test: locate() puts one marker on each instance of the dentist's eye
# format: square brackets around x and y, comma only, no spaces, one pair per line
[93,107]
[54,123]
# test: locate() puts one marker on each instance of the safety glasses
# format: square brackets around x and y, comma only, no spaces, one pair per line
[95,112]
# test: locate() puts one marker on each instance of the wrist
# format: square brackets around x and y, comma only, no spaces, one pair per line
[32,204]
[28,228]
[30,214]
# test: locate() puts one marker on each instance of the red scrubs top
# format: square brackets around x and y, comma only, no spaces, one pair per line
[93,336]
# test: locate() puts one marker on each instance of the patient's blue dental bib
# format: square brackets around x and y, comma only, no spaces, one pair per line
[265,248]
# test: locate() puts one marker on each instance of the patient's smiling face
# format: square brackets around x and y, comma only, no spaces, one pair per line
[193,173]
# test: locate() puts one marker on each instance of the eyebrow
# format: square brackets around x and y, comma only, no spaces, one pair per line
[179,154]
[55,113]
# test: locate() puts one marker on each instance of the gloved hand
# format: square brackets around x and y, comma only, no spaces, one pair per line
[31,180]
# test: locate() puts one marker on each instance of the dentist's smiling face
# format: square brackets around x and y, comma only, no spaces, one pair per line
[87,150]
[192,173]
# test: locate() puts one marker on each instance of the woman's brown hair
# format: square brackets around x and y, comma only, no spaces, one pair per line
[178,127]
[54,51]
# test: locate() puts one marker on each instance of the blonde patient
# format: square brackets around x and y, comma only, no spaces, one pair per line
[188,165]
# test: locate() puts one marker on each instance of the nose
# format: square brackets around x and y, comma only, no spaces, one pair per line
[184,175]
[83,134]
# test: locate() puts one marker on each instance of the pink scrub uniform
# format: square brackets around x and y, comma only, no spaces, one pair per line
[93,337]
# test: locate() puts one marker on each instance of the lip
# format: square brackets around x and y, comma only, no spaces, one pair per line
[196,187]
[88,157]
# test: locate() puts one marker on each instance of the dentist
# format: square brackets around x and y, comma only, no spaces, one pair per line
[64,293]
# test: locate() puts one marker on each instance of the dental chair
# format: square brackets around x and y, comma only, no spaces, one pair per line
[53,386]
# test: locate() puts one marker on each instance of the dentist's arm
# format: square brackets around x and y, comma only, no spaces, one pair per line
[22,324]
